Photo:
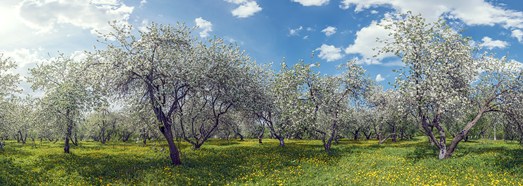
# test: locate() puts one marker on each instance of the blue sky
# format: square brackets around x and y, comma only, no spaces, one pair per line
[269,30]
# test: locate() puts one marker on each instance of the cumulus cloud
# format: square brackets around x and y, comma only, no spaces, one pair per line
[312,2]
[490,44]
[518,34]
[246,9]
[366,45]
[329,30]
[379,78]
[45,16]
[329,52]
[471,12]
[204,25]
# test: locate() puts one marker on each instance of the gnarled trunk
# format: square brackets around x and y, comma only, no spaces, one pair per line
[460,136]
[327,143]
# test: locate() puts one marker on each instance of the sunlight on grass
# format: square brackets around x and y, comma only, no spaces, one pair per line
[301,162]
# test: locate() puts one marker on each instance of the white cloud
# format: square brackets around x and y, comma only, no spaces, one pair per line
[518,34]
[490,44]
[143,2]
[46,16]
[471,12]
[295,31]
[374,12]
[367,61]
[143,25]
[246,9]
[329,52]
[396,63]
[329,30]
[379,78]
[366,45]
[312,2]
[204,25]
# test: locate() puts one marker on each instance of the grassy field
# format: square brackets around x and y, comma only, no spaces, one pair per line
[301,162]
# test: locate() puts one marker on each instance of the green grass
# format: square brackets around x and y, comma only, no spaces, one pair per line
[301,162]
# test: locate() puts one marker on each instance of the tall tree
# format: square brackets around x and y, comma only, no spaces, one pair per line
[439,74]
[163,66]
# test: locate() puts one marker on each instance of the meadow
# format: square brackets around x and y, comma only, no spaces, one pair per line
[301,162]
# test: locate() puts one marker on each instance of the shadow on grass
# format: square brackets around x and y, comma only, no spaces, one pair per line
[511,160]
[220,165]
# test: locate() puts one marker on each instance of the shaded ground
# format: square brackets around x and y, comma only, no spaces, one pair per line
[301,162]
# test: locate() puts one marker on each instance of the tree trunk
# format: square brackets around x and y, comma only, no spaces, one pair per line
[126,136]
[260,135]
[495,132]
[21,136]
[75,139]
[167,133]
[367,134]
[241,136]
[102,136]
[356,134]
[384,139]
[282,142]
[18,136]
[327,144]
[144,136]
[394,136]
[442,140]
[462,134]
[66,146]
[68,132]
[198,145]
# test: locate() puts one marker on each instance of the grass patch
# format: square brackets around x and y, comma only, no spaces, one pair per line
[301,162]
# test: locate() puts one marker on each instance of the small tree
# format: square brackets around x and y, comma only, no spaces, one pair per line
[226,83]
[325,97]
[280,105]
[67,93]
[8,85]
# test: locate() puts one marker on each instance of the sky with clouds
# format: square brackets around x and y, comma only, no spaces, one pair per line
[328,32]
